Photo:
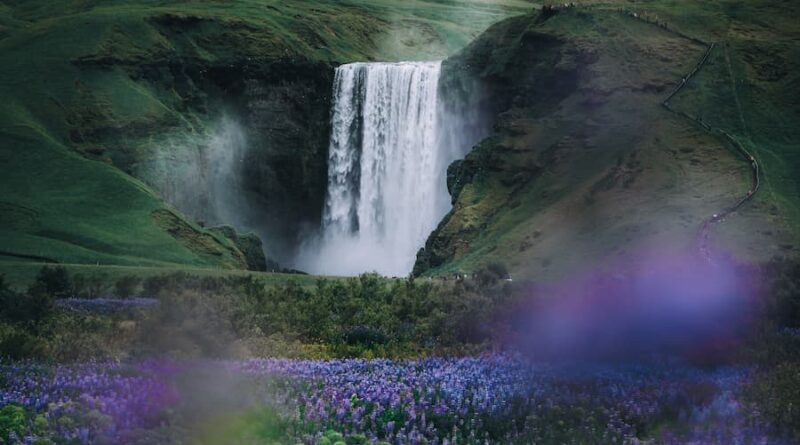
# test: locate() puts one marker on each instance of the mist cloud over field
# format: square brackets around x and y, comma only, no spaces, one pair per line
[652,302]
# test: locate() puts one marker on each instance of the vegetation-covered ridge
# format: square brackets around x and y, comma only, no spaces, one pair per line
[580,137]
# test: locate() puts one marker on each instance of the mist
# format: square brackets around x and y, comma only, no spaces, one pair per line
[200,174]
[677,304]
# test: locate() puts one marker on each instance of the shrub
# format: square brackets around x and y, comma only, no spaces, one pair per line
[365,336]
[19,345]
[776,393]
[785,294]
[334,436]
[498,269]
[29,308]
[53,281]
[357,439]
[38,305]
[89,287]
[12,420]
[489,275]
[126,286]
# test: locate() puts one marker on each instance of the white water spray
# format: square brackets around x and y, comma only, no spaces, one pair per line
[386,172]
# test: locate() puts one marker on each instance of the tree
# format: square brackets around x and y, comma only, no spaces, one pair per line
[54,281]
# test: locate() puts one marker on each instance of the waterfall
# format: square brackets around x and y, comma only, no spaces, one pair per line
[386,171]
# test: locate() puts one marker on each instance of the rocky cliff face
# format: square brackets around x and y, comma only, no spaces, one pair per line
[285,170]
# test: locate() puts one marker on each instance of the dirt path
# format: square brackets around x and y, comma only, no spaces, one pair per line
[704,235]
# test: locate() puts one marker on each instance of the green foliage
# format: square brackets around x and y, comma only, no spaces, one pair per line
[12,420]
[334,436]
[53,281]
[257,426]
[357,439]
[491,274]
[19,344]
[222,316]
[126,286]
[784,302]
[358,316]
[365,335]
[90,286]
[776,394]
[27,309]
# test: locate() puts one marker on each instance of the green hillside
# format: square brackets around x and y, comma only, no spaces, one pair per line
[90,87]
[585,163]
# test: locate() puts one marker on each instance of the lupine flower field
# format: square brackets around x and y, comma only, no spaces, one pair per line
[485,400]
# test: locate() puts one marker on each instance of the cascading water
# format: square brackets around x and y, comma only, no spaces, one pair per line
[386,172]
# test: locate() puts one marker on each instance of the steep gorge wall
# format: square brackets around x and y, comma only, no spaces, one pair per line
[271,116]
[285,171]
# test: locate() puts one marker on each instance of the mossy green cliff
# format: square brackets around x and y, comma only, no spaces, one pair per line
[584,163]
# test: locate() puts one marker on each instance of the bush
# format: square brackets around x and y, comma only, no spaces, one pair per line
[126,286]
[365,336]
[489,275]
[784,302]
[89,287]
[53,281]
[30,308]
[334,436]
[12,420]
[498,269]
[357,439]
[20,345]
[776,394]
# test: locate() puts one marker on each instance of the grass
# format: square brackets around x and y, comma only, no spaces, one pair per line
[253,426]
[21,274]
[64,208]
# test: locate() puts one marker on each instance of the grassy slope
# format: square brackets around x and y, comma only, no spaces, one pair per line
[61,202]
[20,275]
[751,89]
[623,173]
